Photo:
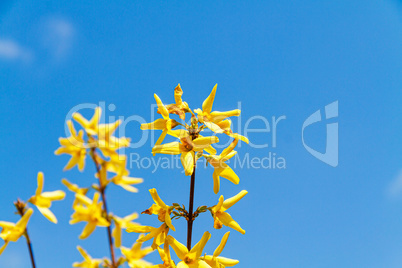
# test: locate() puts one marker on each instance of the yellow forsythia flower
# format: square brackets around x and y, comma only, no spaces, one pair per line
[74,146]
[44,200]
[165,124]
[158,234]
[13,231]
[161,209]
[221,217]
[190,259]
[91,126]
[90,211]
[212,119]
[179,107]
[88,262]
[117,165]
[107,143]
[135,254]
[215,261]
[221,169]
[186,147]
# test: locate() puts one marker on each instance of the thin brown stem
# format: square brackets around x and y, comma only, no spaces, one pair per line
[190,219]
[102,192]
[31,255]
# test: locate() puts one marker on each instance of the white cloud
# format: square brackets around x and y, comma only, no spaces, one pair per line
[395,187]
[11,50]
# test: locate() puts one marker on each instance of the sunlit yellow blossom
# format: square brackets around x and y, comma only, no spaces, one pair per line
[165,256]
[44,200]
[215,261]
[136,254]
[74,146]
[221,169]
[165,124]
[108,143]
[179,107]
[186,147]
[190,259]
[221,217]
[123,223]
[13,231]
[158,234]
[88,262]
[211,119]
[91,126]
[161,209]
[89,211]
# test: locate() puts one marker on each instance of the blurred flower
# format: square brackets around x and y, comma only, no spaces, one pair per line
[74,146]
[88,262]
[122,223]
[13,231]
[135,254]
[91,126]
[44,200]
[90,211]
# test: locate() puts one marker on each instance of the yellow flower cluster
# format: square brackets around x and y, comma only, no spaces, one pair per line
[97,141]
[191,146]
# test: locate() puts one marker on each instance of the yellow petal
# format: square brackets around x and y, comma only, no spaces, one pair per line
[187,160]
[83,253]
[167,148]
[47,213]
[199,247]
[180,249]
[117,235]
[230,148]
[219,249]
[55,195]
[226,261]
[22,223]
[227,220]
[161,137]
[168,221]
[128,188]
[219,116]
[157,124]
[156,198]
[3,247]
[228,173]
[89,228]
[178,92]
[215,176]
[201,143]
[140,229]
[219,205]
[214,127]
[40,183]
[162,109]
[233,200]
[209,101]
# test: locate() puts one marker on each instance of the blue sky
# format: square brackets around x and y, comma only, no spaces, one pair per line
[282,58]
